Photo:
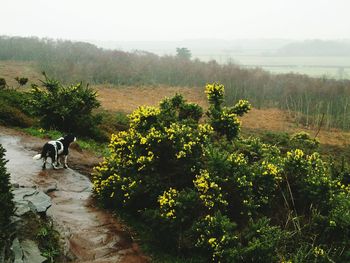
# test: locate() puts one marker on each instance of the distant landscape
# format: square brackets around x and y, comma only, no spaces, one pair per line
[311,99]
[318,58]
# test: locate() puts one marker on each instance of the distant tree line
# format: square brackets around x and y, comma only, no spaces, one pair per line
[316,47]
[311,99]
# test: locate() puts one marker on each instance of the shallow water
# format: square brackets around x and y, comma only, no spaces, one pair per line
[90,234]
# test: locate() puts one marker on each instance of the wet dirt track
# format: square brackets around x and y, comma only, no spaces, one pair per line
[90,234]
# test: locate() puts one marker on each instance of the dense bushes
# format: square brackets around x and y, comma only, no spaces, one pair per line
[6,204]
[73,108]
[66,108]
[205,190]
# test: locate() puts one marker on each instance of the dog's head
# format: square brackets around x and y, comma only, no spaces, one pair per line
[70,138]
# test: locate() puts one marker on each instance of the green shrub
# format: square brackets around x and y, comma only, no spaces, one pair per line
[280,139]
[302,140]
[109,123]
[264,243]
[6,204]
[66,108]
[216,235]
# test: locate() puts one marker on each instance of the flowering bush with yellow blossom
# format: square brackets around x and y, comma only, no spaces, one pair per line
[161,149]
[207,191]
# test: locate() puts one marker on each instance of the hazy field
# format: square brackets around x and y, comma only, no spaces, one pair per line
[11,69]
[332,67]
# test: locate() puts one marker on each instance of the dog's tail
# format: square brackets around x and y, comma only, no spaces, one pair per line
[37,157]
[43,153]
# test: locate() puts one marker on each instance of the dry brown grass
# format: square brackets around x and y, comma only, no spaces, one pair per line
[11,69]
[127,99]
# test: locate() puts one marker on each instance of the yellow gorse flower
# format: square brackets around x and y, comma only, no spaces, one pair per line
[214,90]
[167,203]
[209,191]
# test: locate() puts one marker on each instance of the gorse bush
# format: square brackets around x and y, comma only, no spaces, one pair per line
[209,192]
[6,204]
[66,108]
[160,141]
[302,140]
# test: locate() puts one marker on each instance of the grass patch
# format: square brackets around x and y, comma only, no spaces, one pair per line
[42,133]
[98,148]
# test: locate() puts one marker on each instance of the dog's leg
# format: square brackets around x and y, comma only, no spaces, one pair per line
[65,161]
[59,161]
[54,166]
[53,161]
[44,164]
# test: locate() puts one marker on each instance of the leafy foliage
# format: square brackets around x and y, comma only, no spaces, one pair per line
[302,140]
[6,204]
[66,108]
[204,189]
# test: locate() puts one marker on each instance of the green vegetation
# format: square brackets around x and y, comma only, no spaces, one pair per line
[183,53]
[13,110]
[66,108]
[208,193]
[6,207]
[40,229]
[74,111]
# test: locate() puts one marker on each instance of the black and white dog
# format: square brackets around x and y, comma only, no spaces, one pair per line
[55,150]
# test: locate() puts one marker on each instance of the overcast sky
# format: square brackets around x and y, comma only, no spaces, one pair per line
[129,20]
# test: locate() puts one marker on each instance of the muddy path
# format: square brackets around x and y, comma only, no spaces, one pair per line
[90,234]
